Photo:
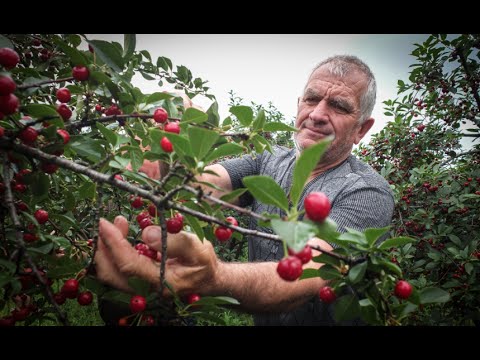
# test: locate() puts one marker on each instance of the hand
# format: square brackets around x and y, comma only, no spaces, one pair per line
[191,266]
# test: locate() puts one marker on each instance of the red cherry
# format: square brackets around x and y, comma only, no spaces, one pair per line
[49,168]
[98,107]
[174,225]
[141,216]
[160,115]
[85,298]
[223,234]
[80,73]
[172,127]
[403,289]
[166,145]
[9,58]
[59,298]
[118,177]
[327,295]
[7,85]
[137,304]
[21,314]
[90,48]
[113,110]
[64,134]
[145,222]
[305,255]
[148,320]
[232,220]
[21,188]
[41,216]
[152,210]
[70,288]
[420,127]
[64,111]
[289,268]
[1,116]
[137,202]
[317,206]
[192,298]
[19,176]
[64,95]
[22,206]
[8,104]
[28,135]
[29,238]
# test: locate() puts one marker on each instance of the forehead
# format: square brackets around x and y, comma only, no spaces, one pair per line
[351,85]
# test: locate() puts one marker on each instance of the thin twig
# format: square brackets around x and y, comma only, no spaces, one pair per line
[226,204]
[40,83]
[470,79]
[21,244]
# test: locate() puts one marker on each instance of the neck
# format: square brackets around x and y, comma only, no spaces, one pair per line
[323,167]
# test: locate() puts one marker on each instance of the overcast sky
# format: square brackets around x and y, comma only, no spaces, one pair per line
[275,67]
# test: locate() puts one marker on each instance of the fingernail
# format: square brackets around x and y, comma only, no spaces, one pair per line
[153,232]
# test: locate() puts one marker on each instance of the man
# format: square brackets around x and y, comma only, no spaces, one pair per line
[338,101]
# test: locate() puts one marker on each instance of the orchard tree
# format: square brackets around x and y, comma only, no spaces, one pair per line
[436,180]
[74,133]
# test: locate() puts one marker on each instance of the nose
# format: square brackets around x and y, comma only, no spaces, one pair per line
[320,112]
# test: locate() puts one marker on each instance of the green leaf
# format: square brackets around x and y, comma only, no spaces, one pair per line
[90,149]
[111,137]
[87,190]
[153,98]
[396,241]
[213,117]
[259,121]
[307,161]
[5,42]
[278,126]
[10,266]
[326,259]
[233,195]
[180,145]
[201,141]
[129,43]
[70,200]
[468,268]
[328,272]
[164,63]
[40,184]
[327,231]
[373,234]
[266,190]
[309,273]
[295,234]
[244,114]
[139,286]
[40,110]
[108,53]
[228,149]
[76,56]
[217,300]
[193,115]
[117,297]
[369,313]
[391,267]
[136,159]
[353,236]
[195,225]
[346,308]
[357,272]
[432,295]
[43,249]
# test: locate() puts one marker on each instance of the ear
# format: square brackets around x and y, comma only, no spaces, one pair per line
[363,129]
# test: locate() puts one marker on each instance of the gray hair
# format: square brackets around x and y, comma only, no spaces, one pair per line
[341,65]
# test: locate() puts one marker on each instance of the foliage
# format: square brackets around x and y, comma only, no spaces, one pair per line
[436,181]
[111,133]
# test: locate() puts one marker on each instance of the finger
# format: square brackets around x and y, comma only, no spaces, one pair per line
[182,245]
[106,270]
[122,224]
[124,256]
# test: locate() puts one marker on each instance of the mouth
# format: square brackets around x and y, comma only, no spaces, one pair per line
[314,127]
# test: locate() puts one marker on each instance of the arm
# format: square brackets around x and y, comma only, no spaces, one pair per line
[193,267]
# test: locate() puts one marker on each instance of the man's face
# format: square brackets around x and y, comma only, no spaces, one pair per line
[331,106]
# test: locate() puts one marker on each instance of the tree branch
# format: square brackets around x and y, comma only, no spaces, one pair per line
[470,79]
[40,83]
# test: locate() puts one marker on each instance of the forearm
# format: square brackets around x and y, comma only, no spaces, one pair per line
[259,288]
